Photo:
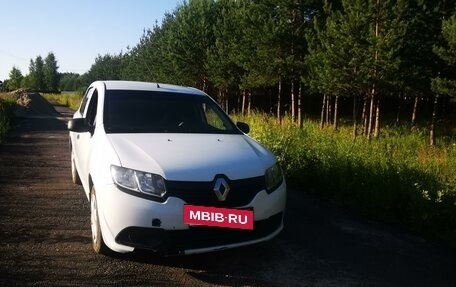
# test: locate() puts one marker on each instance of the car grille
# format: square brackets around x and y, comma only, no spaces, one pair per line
[241,191]
[176,241]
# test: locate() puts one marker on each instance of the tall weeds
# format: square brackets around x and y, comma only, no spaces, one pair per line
[71,100]
[7,102]
[397,178]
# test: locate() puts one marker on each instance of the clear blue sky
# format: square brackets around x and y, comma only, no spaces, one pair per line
[76,31]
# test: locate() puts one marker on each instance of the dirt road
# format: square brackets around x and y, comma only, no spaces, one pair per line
[45,236]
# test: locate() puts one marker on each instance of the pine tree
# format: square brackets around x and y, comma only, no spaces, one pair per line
[36,74]
[107,67]
[223,68]
[338,51]
[424,24]
[355,53]
[446,85]
[30,79]
[190,40]
[69,82]
[15,79]
[51,74]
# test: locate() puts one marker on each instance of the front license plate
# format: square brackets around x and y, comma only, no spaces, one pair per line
[219,217]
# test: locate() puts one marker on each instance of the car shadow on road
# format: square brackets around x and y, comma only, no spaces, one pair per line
[236,267]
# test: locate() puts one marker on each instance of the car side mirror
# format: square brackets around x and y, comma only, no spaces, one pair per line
[79,125]
[245,128]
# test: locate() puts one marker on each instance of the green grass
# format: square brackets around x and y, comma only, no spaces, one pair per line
[396,178]
[7,102]
[71,100]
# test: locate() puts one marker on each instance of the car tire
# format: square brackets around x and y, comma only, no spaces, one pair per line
[97,238]
[74,172]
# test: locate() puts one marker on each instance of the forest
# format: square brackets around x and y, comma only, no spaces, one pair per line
[356,59]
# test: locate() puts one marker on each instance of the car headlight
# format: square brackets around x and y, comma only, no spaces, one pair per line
[139,181]
[273,177]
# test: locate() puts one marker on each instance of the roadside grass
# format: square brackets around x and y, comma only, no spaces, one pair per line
[71,100]
[7,102]
[397,178]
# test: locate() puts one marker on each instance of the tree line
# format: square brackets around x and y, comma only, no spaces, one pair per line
[283,52]
[43,75]
[280,55]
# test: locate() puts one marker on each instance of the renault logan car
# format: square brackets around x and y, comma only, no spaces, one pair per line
[165,169]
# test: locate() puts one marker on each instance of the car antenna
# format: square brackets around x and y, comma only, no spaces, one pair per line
[158,86]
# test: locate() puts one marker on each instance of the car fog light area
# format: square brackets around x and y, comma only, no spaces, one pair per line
[273,177]
[139,181]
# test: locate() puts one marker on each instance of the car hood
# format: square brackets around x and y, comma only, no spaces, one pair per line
[192,157]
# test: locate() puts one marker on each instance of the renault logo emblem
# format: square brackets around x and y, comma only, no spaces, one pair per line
[221,188]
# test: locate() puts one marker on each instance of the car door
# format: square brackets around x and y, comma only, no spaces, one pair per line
[84,140]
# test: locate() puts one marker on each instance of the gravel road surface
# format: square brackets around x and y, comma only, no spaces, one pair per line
[45,236]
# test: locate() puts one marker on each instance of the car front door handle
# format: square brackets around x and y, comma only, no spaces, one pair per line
[77,137]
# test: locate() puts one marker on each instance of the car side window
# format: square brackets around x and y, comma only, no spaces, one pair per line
[84,100]
[92,109]
[212,118]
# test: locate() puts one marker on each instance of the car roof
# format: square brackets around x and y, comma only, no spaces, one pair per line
[146,86]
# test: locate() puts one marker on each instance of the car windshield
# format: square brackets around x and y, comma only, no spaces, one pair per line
[163,112]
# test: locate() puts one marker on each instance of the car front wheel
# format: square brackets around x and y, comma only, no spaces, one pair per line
[97,238]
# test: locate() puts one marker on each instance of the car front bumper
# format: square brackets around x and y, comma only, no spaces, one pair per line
[129,222]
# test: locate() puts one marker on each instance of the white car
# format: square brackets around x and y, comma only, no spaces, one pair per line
[165,169]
